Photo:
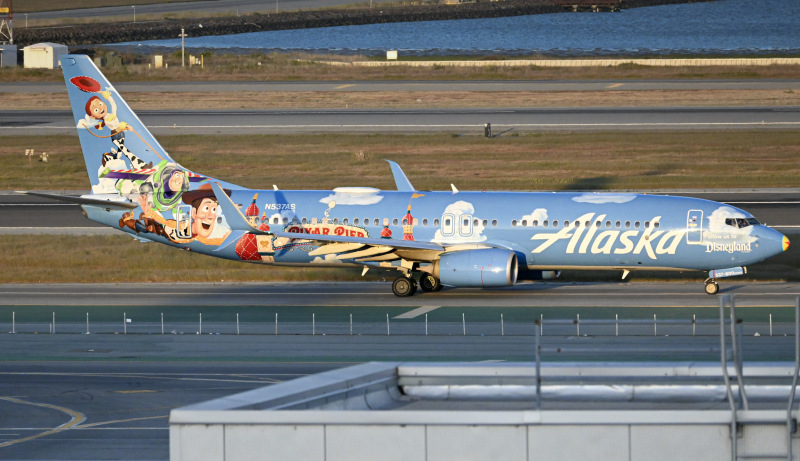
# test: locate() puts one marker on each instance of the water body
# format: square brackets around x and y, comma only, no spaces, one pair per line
[729,27]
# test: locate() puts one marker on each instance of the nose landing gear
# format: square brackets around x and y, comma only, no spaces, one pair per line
[712,287]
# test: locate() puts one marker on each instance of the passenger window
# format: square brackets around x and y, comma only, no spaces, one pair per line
[555,223]
[637,224]
[546,223]
[524,223]
[436,222]
[608,224]
[394,222]
[355,221]
[345,221]
[494,222]
[618,224]
[425,222]
[566,223]
[336,220]
[376,222]
[627,224]
[485,222]
[535,223]
[656,224]
[647,224]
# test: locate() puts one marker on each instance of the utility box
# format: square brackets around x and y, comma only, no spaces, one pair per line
[44,55]
[391,55]
[158,61]
[8,55]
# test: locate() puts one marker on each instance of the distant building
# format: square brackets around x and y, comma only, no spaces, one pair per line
[44,55]
[8,55]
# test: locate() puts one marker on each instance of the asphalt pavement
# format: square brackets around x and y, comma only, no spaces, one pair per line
[459,121]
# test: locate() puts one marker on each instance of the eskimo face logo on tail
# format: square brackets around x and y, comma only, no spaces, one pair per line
[593,240]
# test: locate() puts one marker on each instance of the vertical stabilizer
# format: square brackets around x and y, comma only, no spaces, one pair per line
[112,137]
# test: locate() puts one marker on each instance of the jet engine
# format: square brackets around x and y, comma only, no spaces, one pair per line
[490,267]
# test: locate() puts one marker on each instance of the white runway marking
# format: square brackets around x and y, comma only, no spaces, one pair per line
[417,312]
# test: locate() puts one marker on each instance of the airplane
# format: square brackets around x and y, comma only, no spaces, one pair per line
[430,238]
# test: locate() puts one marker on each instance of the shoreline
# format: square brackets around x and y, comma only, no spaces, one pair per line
[80,35]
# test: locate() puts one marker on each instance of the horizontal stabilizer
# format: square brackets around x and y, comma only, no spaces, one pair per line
[116,204]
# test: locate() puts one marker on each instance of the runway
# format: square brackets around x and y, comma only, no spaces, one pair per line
[468,121]
[21,214]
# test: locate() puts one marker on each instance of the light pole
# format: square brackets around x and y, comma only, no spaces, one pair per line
[134,13]
[26,20]
[182,36]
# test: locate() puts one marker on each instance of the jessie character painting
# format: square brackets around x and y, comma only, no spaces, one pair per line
[99,116]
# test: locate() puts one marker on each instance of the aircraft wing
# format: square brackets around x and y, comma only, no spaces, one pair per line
[360,249]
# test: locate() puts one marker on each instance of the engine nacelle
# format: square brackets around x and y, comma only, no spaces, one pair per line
[491,267]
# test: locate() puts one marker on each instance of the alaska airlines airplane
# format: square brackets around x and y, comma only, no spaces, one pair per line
[453,238]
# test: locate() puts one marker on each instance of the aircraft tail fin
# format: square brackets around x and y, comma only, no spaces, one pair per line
[119,151]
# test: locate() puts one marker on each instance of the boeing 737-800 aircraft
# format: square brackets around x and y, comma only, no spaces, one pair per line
[459,239]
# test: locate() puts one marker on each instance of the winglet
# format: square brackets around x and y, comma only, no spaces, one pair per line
[233,215]
[403,184]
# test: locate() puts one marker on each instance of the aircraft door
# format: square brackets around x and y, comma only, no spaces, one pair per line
[448,224]
[465,225]
[183,219]
[694,227]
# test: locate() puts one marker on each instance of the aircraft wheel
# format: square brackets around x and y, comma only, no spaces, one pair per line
[712,288]
[404,286]
[429,283]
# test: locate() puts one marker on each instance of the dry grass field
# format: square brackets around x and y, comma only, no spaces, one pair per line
[547,161]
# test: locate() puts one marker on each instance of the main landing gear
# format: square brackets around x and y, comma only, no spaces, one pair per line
[406,286]
[712,287]
[429,283]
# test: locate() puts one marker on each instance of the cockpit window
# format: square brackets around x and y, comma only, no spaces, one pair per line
[741,222]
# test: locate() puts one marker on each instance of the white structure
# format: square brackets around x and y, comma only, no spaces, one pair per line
[489,411]
[44,55]
[8,55]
